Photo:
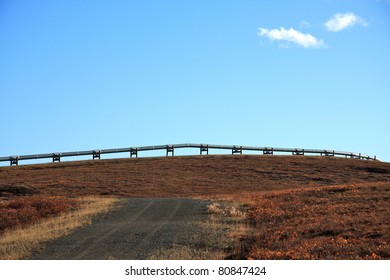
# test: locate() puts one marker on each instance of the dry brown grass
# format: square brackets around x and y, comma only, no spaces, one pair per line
[214,208]
[231,216]
[194,176]
[220,237]
[233,210]
[20,242]
[339,222]
[21,211]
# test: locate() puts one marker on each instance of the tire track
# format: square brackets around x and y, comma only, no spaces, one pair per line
[137,229]
[158,226]
[115,227]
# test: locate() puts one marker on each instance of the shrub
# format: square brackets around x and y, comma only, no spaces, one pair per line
[21,211]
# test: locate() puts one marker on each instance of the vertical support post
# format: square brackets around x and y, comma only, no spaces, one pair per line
[298,152]
[13,160]
[96,154]
[237,150]
[134,151]
[170,149]
[204,148]
[57,157]
[329,153]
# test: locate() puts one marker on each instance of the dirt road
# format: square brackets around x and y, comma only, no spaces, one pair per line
[137,229]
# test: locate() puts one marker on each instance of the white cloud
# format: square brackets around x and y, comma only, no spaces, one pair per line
[342,21]
[291,35]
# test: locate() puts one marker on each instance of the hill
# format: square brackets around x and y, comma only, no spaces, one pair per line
[300,207]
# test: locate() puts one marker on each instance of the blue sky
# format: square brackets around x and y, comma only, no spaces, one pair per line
[82,75]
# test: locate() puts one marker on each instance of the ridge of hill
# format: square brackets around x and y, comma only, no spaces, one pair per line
[189,176]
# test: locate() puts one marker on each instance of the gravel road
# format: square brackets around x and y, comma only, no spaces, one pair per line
[137,229]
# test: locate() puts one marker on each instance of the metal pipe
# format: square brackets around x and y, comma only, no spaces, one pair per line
[170,148]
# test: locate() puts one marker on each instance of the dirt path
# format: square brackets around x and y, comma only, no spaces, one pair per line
[138,229]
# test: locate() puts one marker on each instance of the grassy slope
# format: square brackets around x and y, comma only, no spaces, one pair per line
[349,221]
[302,207]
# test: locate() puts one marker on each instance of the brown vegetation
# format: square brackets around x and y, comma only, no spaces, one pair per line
[21,211]
[341,222]
[192,176]
[219,238]
[301,207]
[29,235]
